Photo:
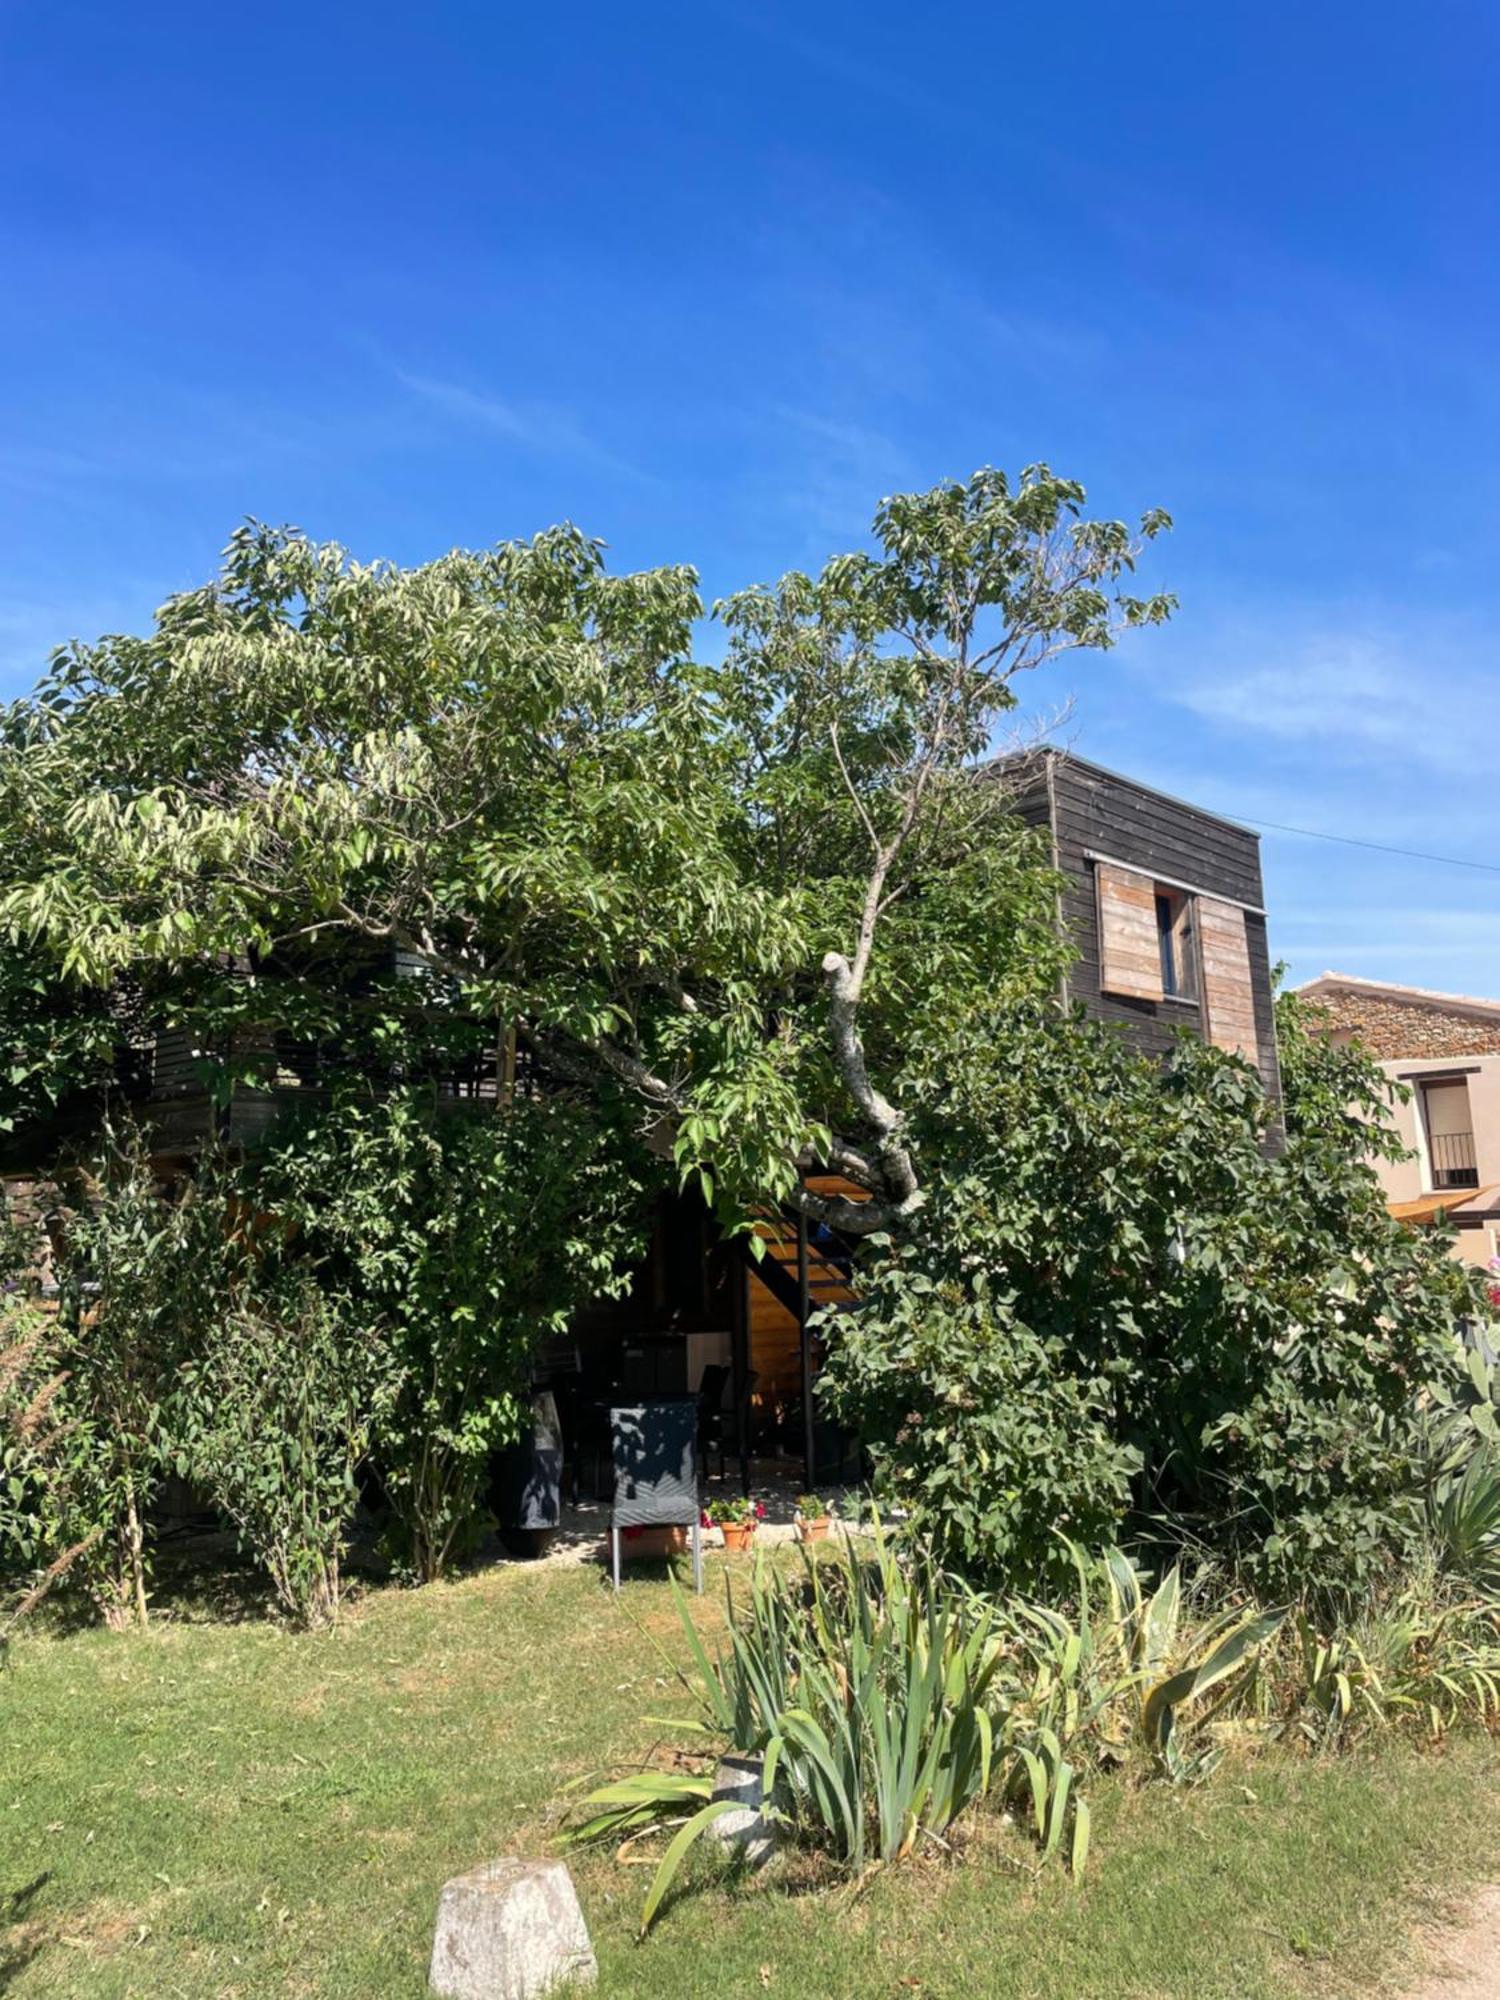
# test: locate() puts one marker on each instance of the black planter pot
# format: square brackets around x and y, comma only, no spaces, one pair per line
[527,1483]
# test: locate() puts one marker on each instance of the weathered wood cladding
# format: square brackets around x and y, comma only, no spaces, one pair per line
[1092,812]
[1129,948]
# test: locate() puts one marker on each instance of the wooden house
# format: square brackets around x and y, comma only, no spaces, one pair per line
[1163,905]
[1162,902]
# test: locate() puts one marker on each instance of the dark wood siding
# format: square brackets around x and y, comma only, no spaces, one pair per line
[1093,811]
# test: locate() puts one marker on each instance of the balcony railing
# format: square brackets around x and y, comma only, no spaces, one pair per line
[1453,1161]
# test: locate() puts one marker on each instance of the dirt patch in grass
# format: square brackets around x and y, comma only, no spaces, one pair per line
[1463,1958]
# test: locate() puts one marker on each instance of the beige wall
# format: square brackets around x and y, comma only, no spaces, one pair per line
[1410,1180]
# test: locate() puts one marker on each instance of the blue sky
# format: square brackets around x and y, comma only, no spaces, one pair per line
[711,279]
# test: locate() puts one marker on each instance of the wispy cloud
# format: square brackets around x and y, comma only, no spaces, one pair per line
[540,427]
[874,78]
[835,471]
[1359,938]
[1419,702]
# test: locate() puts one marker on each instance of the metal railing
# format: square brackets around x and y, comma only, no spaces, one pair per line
[1453,1161]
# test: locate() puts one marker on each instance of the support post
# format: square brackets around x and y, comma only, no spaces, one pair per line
[741,1372]
[809,1453]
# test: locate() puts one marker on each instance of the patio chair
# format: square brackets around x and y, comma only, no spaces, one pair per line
[655,1449]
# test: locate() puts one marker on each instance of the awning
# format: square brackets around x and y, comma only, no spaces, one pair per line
[1458,1204]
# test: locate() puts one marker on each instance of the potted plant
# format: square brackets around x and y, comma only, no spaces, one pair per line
[812,1517]
[736,1520]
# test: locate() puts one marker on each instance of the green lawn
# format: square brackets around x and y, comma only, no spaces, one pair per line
[226,1809]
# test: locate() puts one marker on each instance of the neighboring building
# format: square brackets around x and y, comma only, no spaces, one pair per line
[1164,904]
[1445,1049]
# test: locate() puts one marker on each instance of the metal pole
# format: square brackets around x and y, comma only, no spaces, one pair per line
[809,1452]
[742,1375]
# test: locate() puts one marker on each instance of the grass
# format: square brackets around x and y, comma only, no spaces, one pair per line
[218,1809]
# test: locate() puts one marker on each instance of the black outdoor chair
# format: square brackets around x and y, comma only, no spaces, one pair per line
[656,1474]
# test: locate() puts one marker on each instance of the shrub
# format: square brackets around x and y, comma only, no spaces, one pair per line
[139,1273]
[979,1429]
[284,1396]
[35,1500]
[1138,1302]
[464,1238]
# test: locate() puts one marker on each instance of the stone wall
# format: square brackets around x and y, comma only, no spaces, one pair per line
[1394,1029]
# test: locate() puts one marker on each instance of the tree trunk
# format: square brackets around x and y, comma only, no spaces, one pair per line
[135,1544]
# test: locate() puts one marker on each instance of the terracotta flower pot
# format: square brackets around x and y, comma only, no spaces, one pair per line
[737,1534]
[812,1531]
[656,1542]
[650,1543]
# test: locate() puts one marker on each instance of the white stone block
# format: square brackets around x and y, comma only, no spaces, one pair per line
[511,1930]
[749,1830]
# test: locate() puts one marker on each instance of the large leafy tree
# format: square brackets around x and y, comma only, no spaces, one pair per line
[721,893]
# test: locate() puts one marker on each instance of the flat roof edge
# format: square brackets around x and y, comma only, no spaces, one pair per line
[1120,778]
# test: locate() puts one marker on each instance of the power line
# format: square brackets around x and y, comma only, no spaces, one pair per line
[1376,846]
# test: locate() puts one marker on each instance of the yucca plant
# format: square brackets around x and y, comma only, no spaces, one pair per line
[1464,1509]
[1461,1425]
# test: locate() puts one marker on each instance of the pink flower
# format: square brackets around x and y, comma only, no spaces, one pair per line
[760,1510]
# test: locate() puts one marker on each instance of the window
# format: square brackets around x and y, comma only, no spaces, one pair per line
[1145,936]
[1163,941]
[1449,1131]
[1174,937]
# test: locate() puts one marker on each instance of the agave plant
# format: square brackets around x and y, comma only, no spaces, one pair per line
[1171,1667]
